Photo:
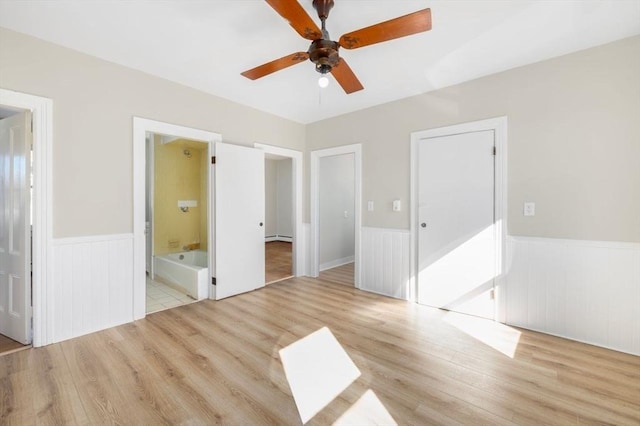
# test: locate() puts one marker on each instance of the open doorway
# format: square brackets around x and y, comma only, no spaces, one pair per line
[335,213]
[278,173]
[176,221]
[144,132]
[285,254]
[235,213]
[16,194]
[336,207]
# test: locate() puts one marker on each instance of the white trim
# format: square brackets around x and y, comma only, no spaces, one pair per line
[296,170]
[281,238]
[499,127]
[150,170]
[42,293]
[336,263]
[620,245]
[140,127]
[56,242]
[355,149]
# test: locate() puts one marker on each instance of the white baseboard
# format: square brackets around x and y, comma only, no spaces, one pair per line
[335,263]
[282,238]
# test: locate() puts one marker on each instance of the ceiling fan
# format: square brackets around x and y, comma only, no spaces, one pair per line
[323,52]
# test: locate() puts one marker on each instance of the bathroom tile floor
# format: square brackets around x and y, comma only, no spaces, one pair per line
[160,297]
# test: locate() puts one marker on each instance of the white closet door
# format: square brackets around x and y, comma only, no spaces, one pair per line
[456,233]
[15,227]
[239,219]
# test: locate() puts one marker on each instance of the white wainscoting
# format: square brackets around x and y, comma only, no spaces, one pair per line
[582,290]
[92,284]
[385,262]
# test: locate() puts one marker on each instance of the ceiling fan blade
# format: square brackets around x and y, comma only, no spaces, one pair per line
[277,65]
[297,18]
[345,77]
[402,26]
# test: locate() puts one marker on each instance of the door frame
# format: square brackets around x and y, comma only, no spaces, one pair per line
[43,290]
[140,128]
[299,243]
[499,127]
[355,149]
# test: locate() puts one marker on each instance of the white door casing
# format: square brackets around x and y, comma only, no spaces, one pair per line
[314,177]
[239,219]
[456,236]
[140,128]
[15,227]
[499,128]
[299,243]
[43,286]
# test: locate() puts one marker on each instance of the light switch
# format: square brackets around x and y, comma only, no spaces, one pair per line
[346,214]
[529,208]
[396,205]
[370,206]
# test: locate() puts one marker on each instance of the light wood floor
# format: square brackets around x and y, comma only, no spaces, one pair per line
[218,363]
[9,345]
[340,274]
[278,261]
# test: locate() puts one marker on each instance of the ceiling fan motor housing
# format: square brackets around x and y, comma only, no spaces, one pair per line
[323,7]
[324,53]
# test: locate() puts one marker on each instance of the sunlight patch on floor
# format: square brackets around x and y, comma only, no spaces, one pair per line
[368,410]
[500,337]
[318,370]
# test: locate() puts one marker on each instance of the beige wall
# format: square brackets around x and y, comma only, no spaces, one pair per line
[574,136]
[573,143]
[94,102]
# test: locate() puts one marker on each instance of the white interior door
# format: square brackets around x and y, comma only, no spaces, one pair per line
[15,227]
[456,233]
[239,219]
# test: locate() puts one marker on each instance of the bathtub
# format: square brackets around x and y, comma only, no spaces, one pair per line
[188,269]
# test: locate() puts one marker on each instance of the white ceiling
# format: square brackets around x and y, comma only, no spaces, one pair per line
[206,44]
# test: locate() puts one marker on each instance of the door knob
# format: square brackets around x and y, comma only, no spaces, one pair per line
[423,224]
[260,223]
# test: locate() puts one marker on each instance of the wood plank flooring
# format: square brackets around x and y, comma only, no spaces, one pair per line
[218,363]
[9,345]
[278,261]
[340,274]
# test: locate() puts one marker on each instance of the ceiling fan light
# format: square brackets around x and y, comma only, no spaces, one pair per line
[323,81]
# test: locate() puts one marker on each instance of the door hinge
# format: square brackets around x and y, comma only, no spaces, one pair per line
[494,150]
[492,294]
[213,160]
[213,280]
